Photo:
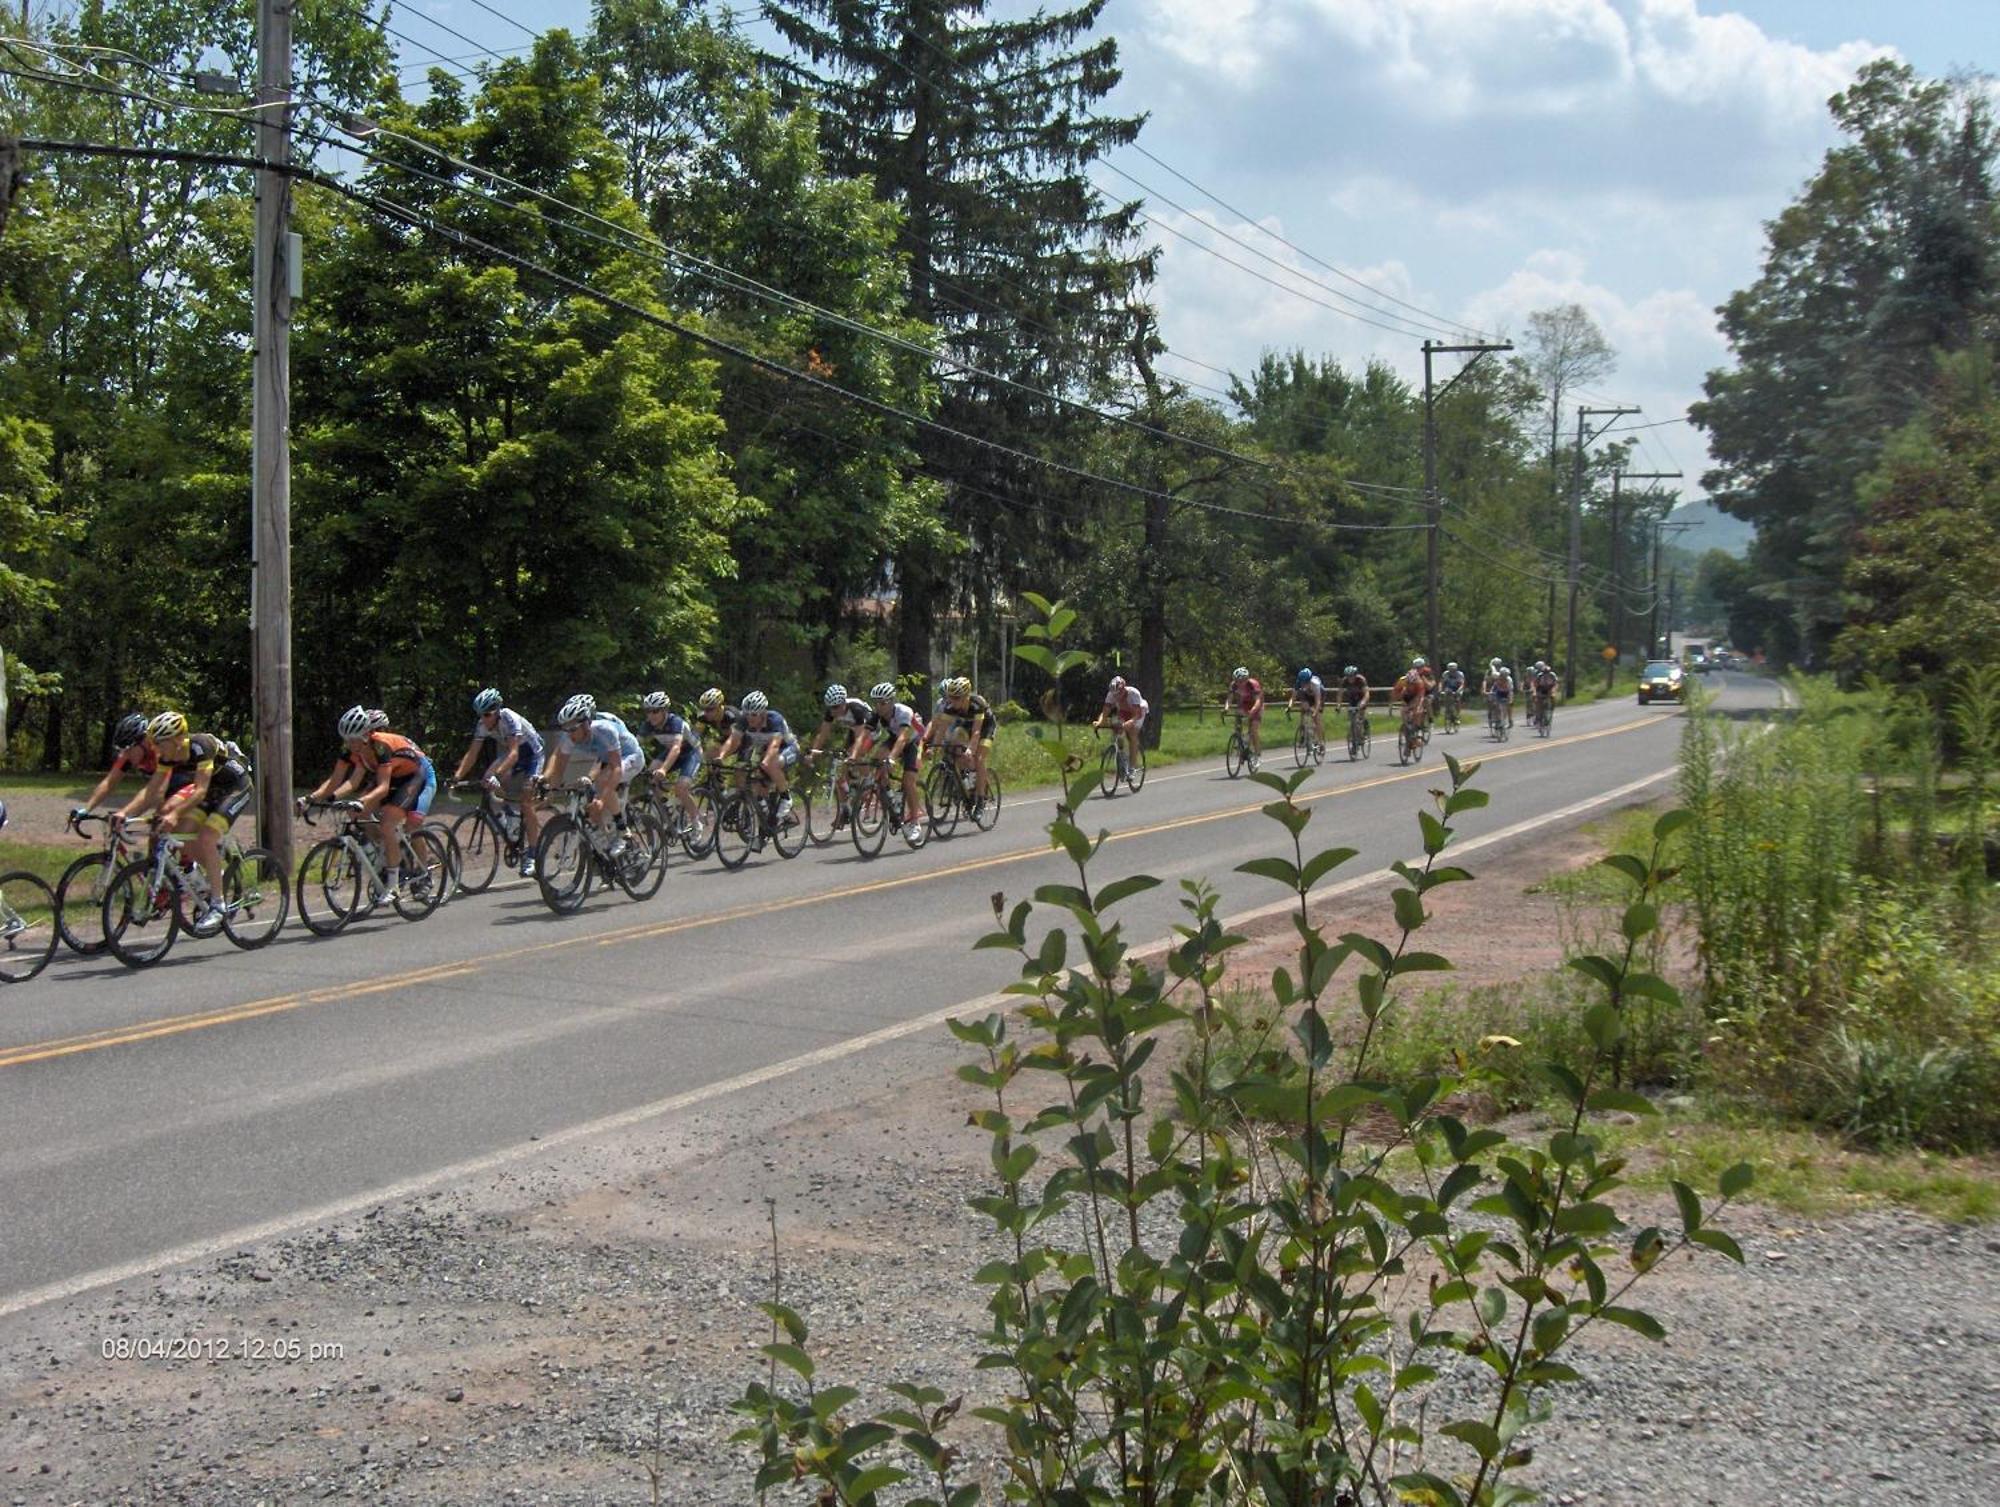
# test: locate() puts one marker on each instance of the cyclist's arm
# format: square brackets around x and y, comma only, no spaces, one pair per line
[192,795]
[375,794]
[111,777]
[148,796]
[508,756]
[729,744]
[465,764]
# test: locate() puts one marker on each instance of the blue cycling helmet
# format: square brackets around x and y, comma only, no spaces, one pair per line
[1305,677]
[488,700]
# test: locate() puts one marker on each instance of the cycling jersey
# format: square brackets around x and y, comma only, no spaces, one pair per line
[852,713]
[1248,693]
[976,713]
[1312,692]
[606,740]
[1546,682]
[1410,687]
[204,755]
[887,729]
[1501,686]
[140,758]
[391,751]
[1128,703]
[727,719]
[662,736]
[1354,690]
[511,725]
[774,730]
[1454,681]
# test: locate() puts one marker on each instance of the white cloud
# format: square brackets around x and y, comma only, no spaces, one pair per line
[1661,328]
[1229,36]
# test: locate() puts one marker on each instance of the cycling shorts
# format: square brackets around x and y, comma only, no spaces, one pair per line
[1499,695]
[907,760]
[414,794]
[220,808]
[688,765]
[629,767]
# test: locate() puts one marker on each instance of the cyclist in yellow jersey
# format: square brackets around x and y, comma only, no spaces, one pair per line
[199,787]
[963,723]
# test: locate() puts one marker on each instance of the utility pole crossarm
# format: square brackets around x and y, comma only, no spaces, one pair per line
[1433,510]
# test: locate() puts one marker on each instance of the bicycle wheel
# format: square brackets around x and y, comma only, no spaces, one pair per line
[1135,772]
[481,845]
[255,898]
[80,903]
[643,867]
[329,887]
[1107,771]
[822,813]
[140,924]
[788,833]
[426,874]
[986,808]
[735,830]
[1301,742]
[29,923]
[1546,723]
[867,819]
[698,831]
[562,865]
[1318,751]
[1234,755]
[941,799]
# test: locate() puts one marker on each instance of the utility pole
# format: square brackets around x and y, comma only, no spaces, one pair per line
[1618,549]
[1660,528]
[270,444]
[1583,416]
[1433,503]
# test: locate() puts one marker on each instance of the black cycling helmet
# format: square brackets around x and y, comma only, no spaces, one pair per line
[130,729]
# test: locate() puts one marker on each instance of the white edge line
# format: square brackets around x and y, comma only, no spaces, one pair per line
[254,1234]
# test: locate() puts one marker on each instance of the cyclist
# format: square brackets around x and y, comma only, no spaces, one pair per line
[199,785]
[1542,686]
[852,720]
[1309,692]
[131,749]
[1246,699]
[1453,687]
[403,781]
[1499,687]
[1124,703]
[898,726]
[1412,692]
[714,719]
[603,742]
[964,722]
[767,739]
[678,748]
[514,758]
[1354,692]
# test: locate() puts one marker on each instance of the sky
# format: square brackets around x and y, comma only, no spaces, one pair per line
[1475,159]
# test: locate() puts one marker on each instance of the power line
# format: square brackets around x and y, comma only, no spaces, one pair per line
[1456,327]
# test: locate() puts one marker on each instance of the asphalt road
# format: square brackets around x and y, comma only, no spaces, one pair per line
[144,1115]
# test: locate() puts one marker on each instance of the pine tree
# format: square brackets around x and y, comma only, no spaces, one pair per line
[981,133]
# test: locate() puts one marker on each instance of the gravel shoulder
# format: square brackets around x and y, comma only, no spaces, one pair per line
[555,1331]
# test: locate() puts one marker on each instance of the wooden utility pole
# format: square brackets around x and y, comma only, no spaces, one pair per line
[1660,529]
[270,443]
[1618,550]
[1583,416]
[1433,503]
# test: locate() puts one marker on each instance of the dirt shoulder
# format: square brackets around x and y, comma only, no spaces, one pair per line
[523,1337]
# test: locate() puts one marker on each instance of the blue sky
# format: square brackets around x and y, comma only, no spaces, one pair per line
[1476,158]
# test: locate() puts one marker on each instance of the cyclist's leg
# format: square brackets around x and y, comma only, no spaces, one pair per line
[196,824]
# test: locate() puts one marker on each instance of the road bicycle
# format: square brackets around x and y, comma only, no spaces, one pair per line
[951,791]
[1496,719]
[1308,747]
[1410,740]
[697,836]
[1239,755]
[485,837]
[653,793]
[1452,705]
[81,890]
[1116,767]
[27,922]
[153,899]
[575,855]
[825,779]
[748,817]
[1360,736]
[1543,715]
[345,876]
[874,804]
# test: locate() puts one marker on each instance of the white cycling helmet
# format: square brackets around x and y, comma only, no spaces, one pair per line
[834,695]
[1451,664]
[885,691]
[756,701]
[166,725]
[488,700]
[354,722]
[657,701]
[1239,673]
[710,699]
[1420,663]
[1117,683]
[579,708]
[378,720]
[1352,670]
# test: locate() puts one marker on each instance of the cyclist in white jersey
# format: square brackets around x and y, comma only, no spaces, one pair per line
[602,744]
[1124,704]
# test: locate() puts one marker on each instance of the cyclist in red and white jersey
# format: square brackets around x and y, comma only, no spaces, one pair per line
[1127,708]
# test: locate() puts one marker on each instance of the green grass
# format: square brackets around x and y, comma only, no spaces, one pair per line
[73,786]
[1023,752]
[1804,1171]
[37,858]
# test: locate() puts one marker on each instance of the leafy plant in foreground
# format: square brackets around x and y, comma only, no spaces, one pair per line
[1262,1277]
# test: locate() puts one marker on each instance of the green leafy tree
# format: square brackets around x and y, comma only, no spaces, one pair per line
[1886,259]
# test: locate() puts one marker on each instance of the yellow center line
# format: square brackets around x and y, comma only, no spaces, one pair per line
[333,994]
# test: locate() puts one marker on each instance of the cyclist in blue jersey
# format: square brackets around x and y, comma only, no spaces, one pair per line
[515,761]
[601,744]
[676,747]
[767,740]
[1309,694]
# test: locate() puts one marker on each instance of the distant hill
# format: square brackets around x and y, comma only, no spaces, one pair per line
[1713,529]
